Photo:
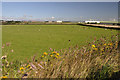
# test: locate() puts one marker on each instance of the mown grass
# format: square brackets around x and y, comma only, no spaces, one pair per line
[28,40]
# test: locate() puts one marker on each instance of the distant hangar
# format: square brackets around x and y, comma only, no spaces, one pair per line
[90,22]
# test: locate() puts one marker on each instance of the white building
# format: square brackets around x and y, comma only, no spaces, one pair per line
[59,21]
[92,21]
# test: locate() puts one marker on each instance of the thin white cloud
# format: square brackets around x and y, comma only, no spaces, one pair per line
[24,17]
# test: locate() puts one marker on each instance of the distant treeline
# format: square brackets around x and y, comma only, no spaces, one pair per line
[32,23]
[13,22]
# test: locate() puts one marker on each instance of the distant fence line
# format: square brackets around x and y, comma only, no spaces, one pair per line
[110,23]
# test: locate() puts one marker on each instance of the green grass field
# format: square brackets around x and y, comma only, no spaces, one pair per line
[28,40]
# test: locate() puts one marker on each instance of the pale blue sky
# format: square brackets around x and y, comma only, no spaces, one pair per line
[74,11]
[59,0]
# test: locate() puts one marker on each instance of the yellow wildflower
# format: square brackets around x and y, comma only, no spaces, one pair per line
[42,56]
[51,55]
[28,66]
[53,52]
[110,44]
[95,49]
[4,77]
[57,54]
[45,53]
[105,44]
[93,46]
[21,68]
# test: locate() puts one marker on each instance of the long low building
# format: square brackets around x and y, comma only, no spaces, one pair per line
[92,22]
[59,21]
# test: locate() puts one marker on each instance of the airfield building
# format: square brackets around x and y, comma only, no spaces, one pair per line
[59,21]
[92,22]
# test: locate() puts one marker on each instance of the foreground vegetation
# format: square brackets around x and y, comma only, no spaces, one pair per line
[96,60]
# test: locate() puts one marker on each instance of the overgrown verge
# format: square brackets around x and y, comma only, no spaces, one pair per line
[97,60]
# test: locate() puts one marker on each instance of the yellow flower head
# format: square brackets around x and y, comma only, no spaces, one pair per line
[4,77]
[110,44]
[28,66]
[21,68]
[93,46]
[54,52]
[45,53]
[96,49]
[57,54]
[42,56]
[51,55]
[105,44]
